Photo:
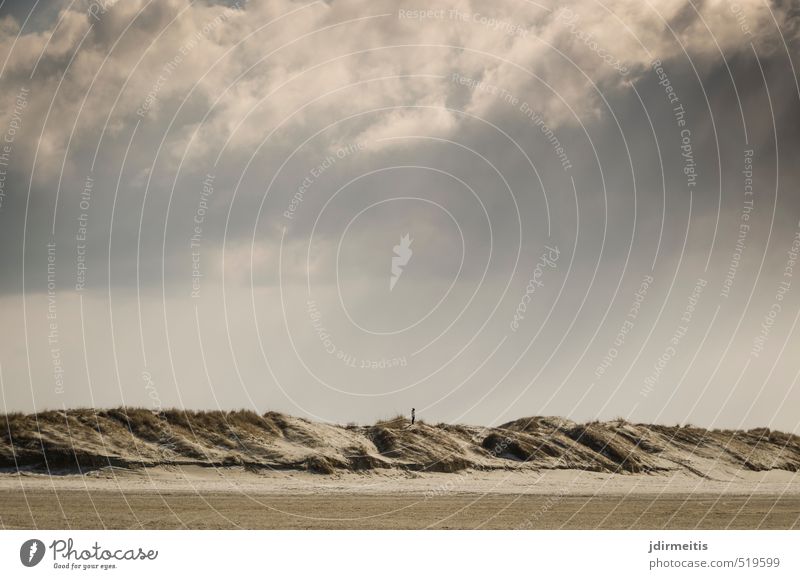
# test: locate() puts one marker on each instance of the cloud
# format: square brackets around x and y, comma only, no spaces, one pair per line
[262,64]
[340,113]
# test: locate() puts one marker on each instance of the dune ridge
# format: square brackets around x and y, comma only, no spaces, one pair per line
[85,439]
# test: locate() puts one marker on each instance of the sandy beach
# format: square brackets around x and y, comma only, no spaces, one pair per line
[233,498]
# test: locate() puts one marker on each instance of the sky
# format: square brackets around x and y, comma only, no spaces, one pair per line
[342,210]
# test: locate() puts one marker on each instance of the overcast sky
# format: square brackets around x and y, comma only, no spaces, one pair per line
[204,205]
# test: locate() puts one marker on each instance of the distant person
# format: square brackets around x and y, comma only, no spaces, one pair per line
[413,415]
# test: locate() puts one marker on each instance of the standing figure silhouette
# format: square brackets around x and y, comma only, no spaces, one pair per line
[413,415]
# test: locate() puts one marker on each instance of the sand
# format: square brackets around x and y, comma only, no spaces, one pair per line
[135,468]
[234,498]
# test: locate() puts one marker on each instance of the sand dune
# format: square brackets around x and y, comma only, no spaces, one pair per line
[85,439]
